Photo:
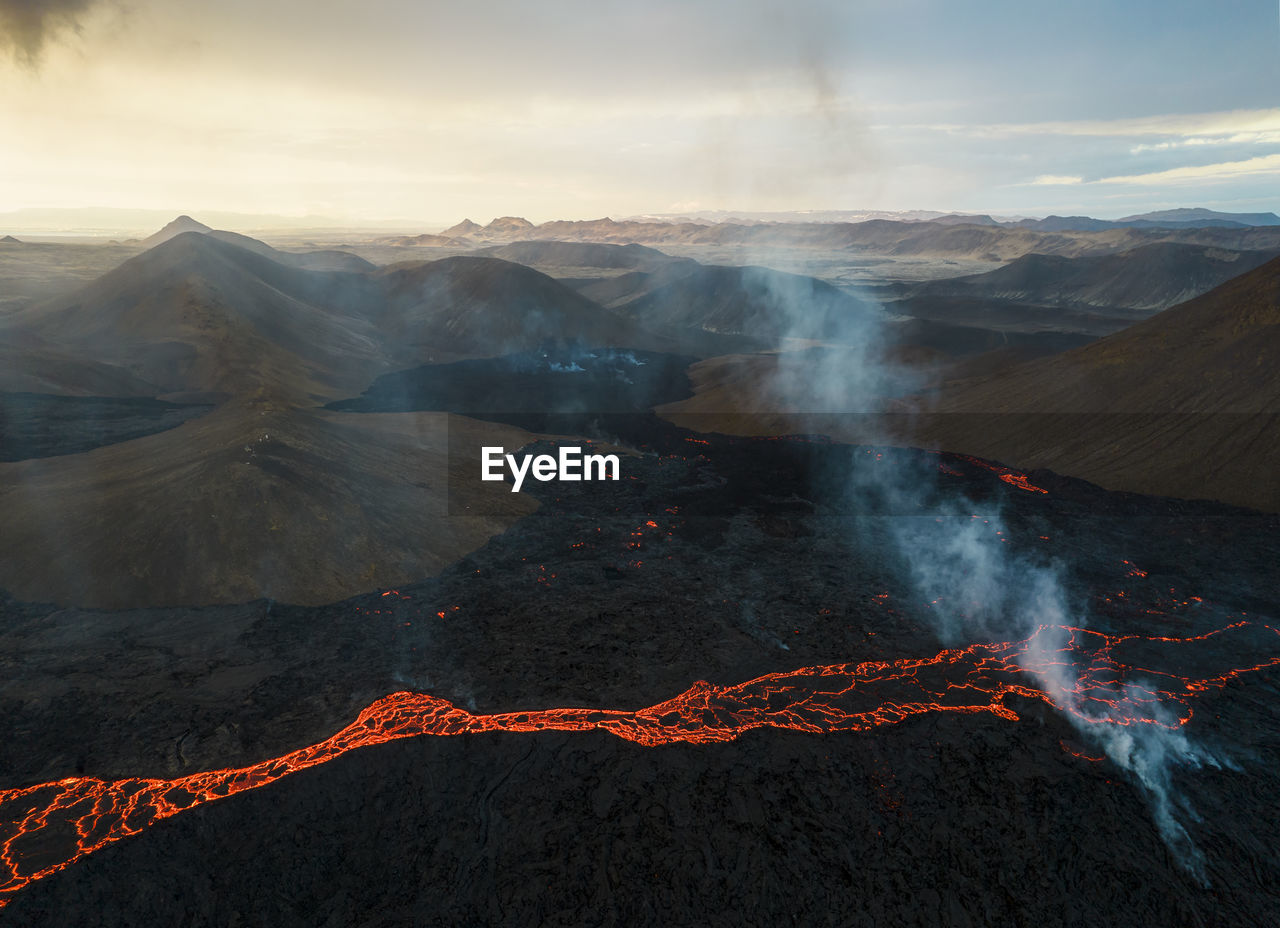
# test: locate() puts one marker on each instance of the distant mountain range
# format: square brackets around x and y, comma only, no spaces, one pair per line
[1162,219]
[1169,218]
[1184,214]
[971,237]
[123,223]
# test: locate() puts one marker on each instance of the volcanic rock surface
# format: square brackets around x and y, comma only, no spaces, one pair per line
[717,559]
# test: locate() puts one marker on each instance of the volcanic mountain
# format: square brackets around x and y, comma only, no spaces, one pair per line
[173,229]
[199,314]
[248,501]
[680,296]
[507,227]
[1182,404]
[480,307]
[258,497]
[466,227]
[316,260]
[312,260]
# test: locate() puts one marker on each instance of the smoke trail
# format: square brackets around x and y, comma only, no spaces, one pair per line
[975,586]
[834,348]
[1149,753]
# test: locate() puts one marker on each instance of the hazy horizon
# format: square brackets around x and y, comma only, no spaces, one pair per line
[109,222]
[423,114]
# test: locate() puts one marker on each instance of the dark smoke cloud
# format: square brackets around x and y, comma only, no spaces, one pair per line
[27,26]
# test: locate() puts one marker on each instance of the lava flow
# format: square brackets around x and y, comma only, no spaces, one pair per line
[1010,476]
[47,827]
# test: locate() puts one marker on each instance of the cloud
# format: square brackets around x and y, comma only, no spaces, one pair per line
[1269,137]
[26,26]
[1245,123]
[1226,170]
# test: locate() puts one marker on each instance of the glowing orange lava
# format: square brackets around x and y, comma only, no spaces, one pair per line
[47,827]
[1007,474]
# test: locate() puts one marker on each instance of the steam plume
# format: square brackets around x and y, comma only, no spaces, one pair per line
[975,586]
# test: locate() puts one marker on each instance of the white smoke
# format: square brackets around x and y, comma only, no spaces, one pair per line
[1149,745]
[976,587]
[835,348]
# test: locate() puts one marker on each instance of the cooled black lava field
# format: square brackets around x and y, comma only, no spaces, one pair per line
[903,780]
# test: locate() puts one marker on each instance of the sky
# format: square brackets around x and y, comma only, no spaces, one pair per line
[428,112]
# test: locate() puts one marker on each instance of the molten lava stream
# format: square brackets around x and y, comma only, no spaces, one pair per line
[1007,474]
[47,827]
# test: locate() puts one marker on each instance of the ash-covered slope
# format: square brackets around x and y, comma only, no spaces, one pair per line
[199,314]
[32,365]
[315,260]
[1186,403]
[320,260]
[248,501]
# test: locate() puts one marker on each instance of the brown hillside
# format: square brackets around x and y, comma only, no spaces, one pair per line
[250,501]
[1184,404]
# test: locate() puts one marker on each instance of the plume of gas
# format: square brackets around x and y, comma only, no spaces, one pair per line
[963,565]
